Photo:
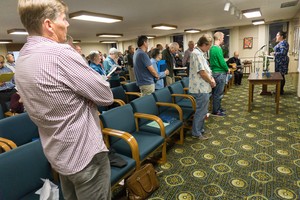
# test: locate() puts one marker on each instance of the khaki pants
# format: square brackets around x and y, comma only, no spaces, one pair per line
[170,80]
[93,182]
[147,89]
[131,73]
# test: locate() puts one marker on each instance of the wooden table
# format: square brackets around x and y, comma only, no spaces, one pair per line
[274,79]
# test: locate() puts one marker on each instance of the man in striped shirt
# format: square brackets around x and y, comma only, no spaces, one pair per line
[61,93]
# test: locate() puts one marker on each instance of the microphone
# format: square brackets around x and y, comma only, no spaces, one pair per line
[262,47]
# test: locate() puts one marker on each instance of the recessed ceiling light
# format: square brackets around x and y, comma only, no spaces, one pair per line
[17,31]
[95,17]
[192,30]
[5,41]
[107,41]
[164,26]
[227,6]
[258,22]
[76,41]
[251,13]
[113,35]
[150,36]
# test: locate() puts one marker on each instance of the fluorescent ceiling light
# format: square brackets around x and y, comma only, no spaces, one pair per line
[150,36]
[112,35]
[76,41]
[164,26]
[227,6]
[192,30]
[252,13]
[95,17]
[17,31]
[258,22]
[107,41]
[5,41]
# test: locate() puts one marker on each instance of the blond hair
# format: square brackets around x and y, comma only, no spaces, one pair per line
[218,35]
[34,12]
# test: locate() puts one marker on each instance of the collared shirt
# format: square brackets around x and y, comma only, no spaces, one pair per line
[98,68]
[60,92]
[197,63]
[186,57]
[11,66]
[8,84]
[109,64]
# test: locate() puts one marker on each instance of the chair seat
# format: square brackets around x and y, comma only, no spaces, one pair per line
[147,142]
[186,111]
[117,173]
[184,103]
[174,125]
[33,196]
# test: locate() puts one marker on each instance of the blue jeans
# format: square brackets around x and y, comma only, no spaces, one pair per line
[202,101]
[217,92]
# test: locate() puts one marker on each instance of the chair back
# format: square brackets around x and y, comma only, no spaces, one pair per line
[1,113]
[131,87]
[162,95]
[176,88]
[185,82]
[119,118]
[19,128]
[21,171]
[145,104]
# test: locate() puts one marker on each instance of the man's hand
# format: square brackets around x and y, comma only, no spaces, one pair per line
[213,82]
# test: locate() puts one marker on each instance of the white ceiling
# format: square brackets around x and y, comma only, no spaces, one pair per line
[140,15]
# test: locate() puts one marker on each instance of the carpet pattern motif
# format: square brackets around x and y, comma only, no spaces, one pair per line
[248,155]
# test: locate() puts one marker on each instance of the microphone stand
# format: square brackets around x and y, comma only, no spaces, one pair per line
[255,56]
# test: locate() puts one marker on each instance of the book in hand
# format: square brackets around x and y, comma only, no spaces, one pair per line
[114,68]
[162,65]
[6,77]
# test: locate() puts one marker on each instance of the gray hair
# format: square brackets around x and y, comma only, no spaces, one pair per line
[93,55]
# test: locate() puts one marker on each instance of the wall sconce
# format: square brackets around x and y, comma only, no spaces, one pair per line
[192,30]
[251,13]
[95,17]
[227,6]
[258,22]
[164,26]
[5,41]
[17,31]
[111,35]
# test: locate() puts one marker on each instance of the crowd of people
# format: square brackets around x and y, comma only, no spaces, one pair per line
[61,88]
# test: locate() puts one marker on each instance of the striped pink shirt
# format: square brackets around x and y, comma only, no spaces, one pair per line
[60,92]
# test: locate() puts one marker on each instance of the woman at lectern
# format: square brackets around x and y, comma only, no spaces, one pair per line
[281,57]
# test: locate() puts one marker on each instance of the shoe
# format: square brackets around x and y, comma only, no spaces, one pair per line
[200,137]
[219,114]
[222,110]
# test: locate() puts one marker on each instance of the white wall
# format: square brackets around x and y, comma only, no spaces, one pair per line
[3,50]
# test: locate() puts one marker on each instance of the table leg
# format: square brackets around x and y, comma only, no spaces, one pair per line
[265,90]
[250,96]
[277,96]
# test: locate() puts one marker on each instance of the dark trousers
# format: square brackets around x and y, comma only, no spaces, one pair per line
[5,97]
[238,75]
[282,83]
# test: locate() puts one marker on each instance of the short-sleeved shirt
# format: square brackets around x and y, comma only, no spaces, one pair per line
[141,61]
[197,63]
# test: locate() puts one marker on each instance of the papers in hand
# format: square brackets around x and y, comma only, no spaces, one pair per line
[49,191]
[6,77]
[114,68]
[155,124]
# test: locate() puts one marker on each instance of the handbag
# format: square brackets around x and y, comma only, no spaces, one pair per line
[142,183]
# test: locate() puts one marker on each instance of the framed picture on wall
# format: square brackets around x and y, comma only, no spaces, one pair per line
[248,42]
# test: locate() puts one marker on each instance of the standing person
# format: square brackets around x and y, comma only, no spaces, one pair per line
[155,57]
[281,57]
[186,57]
[109,64]
[96,64]
[60,93]
[168,55]
[201,84]
[10,62]
[219,69]
[7,89]
[143,69]
[235,63]
[130,63]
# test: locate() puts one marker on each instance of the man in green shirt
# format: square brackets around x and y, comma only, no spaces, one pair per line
[219,69]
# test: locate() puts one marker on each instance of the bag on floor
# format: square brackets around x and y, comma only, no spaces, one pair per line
[142,183]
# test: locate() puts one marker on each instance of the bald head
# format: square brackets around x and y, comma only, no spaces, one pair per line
[236,54]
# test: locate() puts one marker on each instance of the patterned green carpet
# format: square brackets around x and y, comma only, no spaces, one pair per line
[248,156]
